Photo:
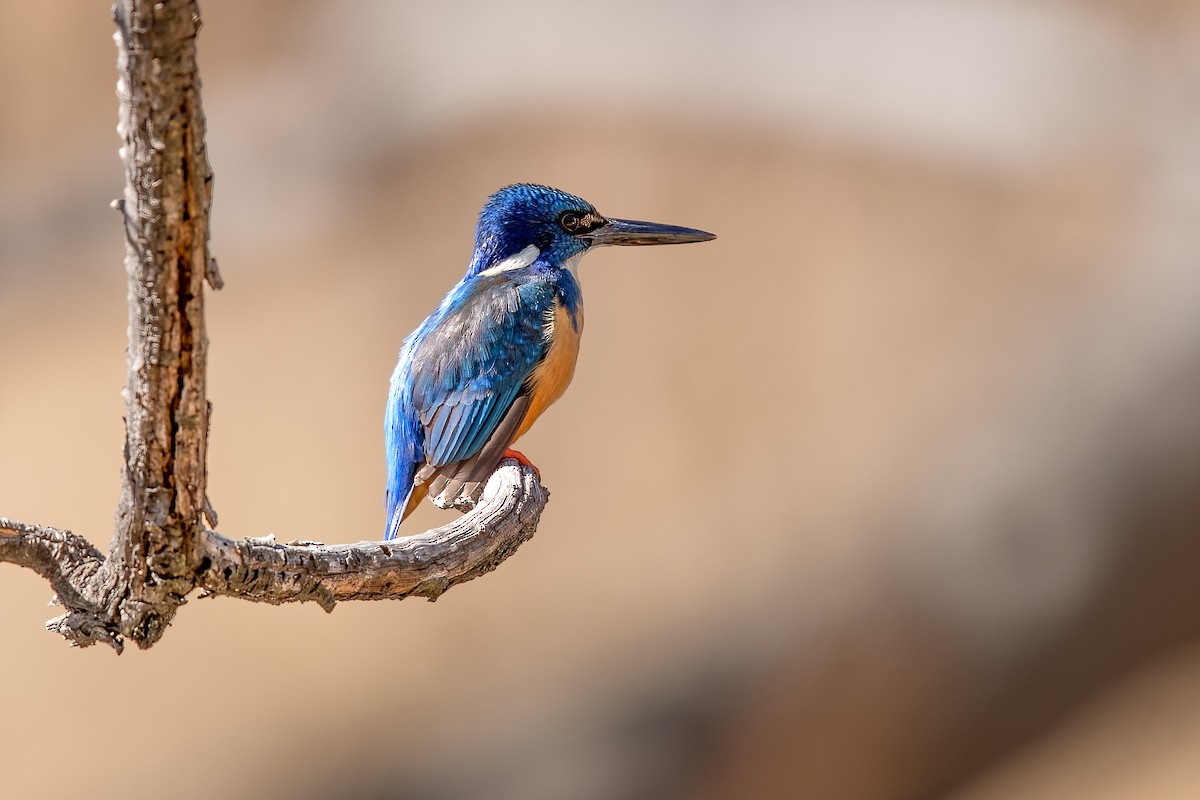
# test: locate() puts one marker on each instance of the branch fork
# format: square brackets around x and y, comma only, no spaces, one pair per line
[262,570]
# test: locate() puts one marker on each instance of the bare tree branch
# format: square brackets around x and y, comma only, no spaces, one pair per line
[425,565]
[167,195]
[160,550]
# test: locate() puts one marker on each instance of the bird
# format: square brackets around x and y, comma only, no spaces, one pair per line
[500,348]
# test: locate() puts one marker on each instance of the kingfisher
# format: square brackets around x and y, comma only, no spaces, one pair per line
[501,347]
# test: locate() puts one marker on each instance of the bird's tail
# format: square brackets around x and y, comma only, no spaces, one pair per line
[401,511]
[395,515]
[402,436]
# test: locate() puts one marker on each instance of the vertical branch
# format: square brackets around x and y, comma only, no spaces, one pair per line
[168,188]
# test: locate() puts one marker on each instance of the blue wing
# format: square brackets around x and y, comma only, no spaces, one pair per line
[458,378]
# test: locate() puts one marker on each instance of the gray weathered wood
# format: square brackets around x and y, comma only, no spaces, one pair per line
[259,569]
[161,550]
[425,565]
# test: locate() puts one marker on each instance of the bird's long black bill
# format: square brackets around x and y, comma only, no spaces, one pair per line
[632,232]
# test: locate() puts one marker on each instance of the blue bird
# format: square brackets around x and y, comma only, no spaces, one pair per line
[500,348]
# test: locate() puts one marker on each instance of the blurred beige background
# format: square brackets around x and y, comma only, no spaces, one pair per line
[891,492]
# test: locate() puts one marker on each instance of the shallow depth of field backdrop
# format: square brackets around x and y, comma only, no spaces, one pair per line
[890,492]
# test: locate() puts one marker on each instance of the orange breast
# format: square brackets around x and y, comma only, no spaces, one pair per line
[552,376]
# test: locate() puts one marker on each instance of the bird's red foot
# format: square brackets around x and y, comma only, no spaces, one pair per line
[519,456]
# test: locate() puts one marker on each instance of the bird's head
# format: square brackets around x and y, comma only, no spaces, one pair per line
[560,226]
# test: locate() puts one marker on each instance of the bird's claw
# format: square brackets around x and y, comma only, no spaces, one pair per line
[522,459]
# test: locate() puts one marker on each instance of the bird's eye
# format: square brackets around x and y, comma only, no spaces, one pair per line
[569,221]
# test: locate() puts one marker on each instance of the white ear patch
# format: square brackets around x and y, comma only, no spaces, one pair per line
[519,261]
[572,264]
